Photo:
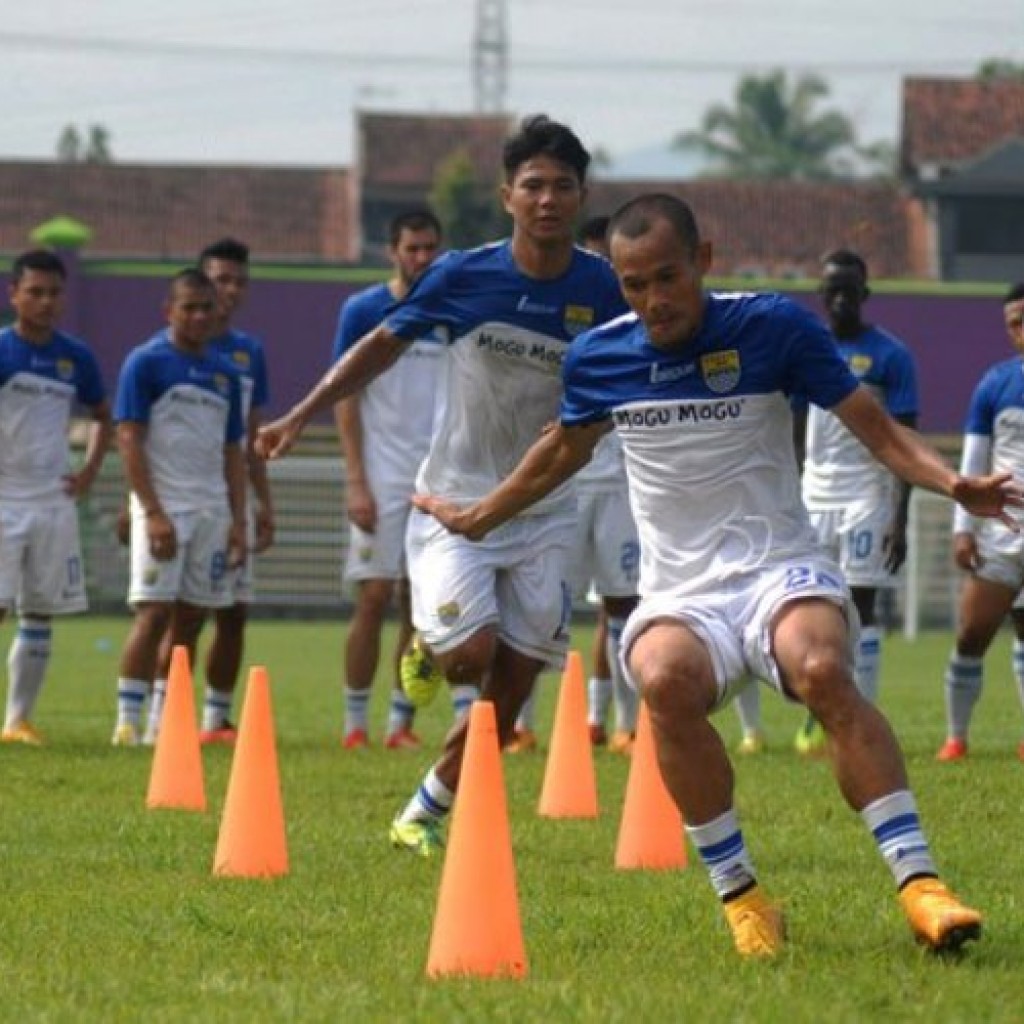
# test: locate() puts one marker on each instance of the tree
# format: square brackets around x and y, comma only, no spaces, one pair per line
[94,148]
[98,149]
[69,145]
[467,209]
[999,70]
[774,130]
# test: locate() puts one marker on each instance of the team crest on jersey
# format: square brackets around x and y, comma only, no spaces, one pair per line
[242,358]
[448,612]
[860,365]
[65,369]
[721,370]
[220,382]
[365,553]
[577,319]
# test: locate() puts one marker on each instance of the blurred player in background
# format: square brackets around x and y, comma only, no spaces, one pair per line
[226,263]
[181,433]
[44,375]
[858,508]
[385,433]
[993,559]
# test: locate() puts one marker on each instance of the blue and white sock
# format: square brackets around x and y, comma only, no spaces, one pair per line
[868,662]
[527,717]
[216,709]
[627,701]
[964,680]
[432,801]
[27,662]
[156,709]
[720,845]
[463,696]
[357,710]
[748,707]
[599,697]
[131,695]
[401,712]
[894,823]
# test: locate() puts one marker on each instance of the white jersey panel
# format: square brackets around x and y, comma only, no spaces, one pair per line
[606,470]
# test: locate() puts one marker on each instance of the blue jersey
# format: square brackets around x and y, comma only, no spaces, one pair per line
[245,353]
[396,409]
[39,387]
[507,337]
[707,433]
[191,406]
[838,469]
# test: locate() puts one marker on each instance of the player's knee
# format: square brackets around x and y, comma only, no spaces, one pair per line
[824,673]
[233,618]
[674,690]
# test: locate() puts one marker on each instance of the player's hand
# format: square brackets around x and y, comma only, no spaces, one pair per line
[237,544]
[992,497]
[362,508]
[277,438]
[123,526]
[76,485]
[965,552]
[264,529]
[894,547]
[454,518]
[163,541]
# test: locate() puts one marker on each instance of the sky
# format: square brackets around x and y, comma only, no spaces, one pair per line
[278,83]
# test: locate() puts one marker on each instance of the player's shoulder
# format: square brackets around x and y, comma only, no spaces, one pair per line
[370,297]
[885,342]
[1008,371]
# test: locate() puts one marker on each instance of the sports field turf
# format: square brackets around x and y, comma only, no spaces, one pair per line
[110,912]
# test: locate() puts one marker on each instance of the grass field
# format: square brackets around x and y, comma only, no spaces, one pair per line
[109,911]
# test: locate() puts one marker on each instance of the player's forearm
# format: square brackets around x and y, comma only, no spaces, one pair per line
[257,466]
[916,463]
[349,421]
[366,360]
[139,478]
[97,443]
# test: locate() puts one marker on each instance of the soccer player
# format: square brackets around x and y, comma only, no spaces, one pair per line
[732,579]
[44,374]
[858,508]
[493,615]
[606,555]
[385,431]
[993,560]
[181,433]
[226,263]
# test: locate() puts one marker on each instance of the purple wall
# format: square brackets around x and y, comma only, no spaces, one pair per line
[953,338]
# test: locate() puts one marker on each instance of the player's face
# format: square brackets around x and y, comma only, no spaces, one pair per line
[231,280]
[1013,316]
[663,282]
[414,252]
[843,292]
[191,314]
[37,299]
[543,199]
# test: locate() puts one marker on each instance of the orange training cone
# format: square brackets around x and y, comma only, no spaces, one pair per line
[570,785]
[476,926]
[176,778]
[252,841]
[651,831]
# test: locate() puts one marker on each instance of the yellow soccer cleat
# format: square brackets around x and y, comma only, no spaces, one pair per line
[621,742]
[420,677]
[126,735]
[22,732]
[758,927]
[810,739]
[422,838]
[752,743]
[937,918]
[524,741]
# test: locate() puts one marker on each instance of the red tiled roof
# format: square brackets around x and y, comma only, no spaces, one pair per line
[952,120]
[405,149]
[782,228]
[158,211]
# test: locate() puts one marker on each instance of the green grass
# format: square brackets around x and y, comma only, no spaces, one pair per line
[109,911]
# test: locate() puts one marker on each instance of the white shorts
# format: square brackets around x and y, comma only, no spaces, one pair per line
[735,622]
[198,573]
[380,555]
[606,550]
[1002,556]
[41,559]
[514,578]
[855,537]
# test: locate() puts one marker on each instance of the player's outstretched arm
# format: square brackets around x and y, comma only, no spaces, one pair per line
[912,459]
[551,460]
[367,359]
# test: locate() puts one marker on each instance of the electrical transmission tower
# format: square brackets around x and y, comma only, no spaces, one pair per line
[490,57]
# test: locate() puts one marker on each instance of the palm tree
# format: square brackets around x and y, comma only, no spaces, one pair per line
[775,131]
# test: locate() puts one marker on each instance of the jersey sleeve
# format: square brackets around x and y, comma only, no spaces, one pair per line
[428,304]
[353,323]
[901,384]
[89,387]
[134,391]
[981,412]
[583,399]
[814,369]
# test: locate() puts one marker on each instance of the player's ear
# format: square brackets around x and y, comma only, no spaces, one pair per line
[705,256]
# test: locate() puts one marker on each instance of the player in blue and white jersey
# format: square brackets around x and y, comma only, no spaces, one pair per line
[858,508]
[181,432]
[993,559]
[226,263]
[44,376]
[493,615]
[385,433]
[732,578]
